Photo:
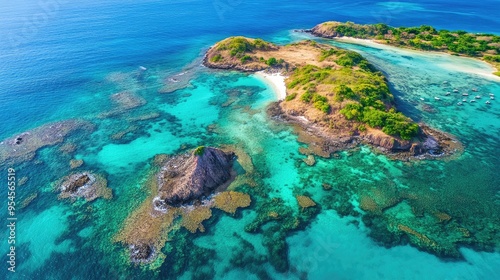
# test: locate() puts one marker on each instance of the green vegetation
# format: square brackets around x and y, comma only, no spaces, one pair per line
[291,96]
[238,46]
[361,93]
[245,58]
[424,38]
[199,151]
[216,58]
[272,61]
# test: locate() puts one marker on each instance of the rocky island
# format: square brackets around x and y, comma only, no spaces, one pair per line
[188,177]
[335,98]
[186,186]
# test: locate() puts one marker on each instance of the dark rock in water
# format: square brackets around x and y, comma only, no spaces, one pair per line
[188,177]
[141,253]
[85,184]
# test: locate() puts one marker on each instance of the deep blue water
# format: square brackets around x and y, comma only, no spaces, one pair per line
[56,58]
[51,48]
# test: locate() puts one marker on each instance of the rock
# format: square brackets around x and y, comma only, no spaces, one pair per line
[85,184]
[141,253]
[189,177]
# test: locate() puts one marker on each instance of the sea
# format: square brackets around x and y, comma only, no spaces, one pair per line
[62,60]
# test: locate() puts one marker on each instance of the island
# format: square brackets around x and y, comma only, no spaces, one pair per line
[334,98]
[427,38]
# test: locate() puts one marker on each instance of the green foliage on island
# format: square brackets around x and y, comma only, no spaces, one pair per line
[245,58]
[272,61]
[199,151]
[424,38]
[291,96]
[216,58]
[361,93]
[238,46]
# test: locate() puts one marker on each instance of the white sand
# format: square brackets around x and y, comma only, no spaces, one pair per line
[276,81]
[486,70]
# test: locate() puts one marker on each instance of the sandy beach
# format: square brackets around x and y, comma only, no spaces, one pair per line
[486,72]
[276,81]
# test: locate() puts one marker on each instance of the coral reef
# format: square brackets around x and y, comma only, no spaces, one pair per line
[305,201]
[125,100]
[75,163]
[230,201]
[310,160]
[193,217]
[23,146]
[28,200]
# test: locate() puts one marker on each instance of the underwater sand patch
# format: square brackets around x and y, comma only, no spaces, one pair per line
[23,146]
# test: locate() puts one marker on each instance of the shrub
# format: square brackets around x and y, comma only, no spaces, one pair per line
[291,96]
[245,58]
[272,61]
[216,58]
[199,151]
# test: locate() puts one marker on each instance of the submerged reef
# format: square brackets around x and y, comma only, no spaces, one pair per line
[23,147]
[335,98]
[124,101]
[86,185]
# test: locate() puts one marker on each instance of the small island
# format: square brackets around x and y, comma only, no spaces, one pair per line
[427,38]
[334,97]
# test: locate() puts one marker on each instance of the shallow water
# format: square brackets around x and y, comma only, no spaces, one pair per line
[76,60]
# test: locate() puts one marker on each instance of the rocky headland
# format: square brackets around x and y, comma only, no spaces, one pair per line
[335,98]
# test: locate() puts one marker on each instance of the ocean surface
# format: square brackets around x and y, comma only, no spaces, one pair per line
[63,60]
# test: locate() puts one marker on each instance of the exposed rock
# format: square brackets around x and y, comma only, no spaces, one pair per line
[86,185]
[323,141]
[189,177]
[141,253]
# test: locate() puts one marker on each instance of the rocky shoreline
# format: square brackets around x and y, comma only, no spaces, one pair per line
[324,142]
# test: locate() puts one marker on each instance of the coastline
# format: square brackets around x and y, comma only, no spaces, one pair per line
[373,43]
[276,81]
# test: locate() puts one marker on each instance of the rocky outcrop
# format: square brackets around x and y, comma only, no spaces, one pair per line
[141,253]
[322,141]
[192,176]
[85,185]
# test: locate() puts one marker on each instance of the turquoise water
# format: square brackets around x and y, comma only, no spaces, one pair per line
[70,64]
